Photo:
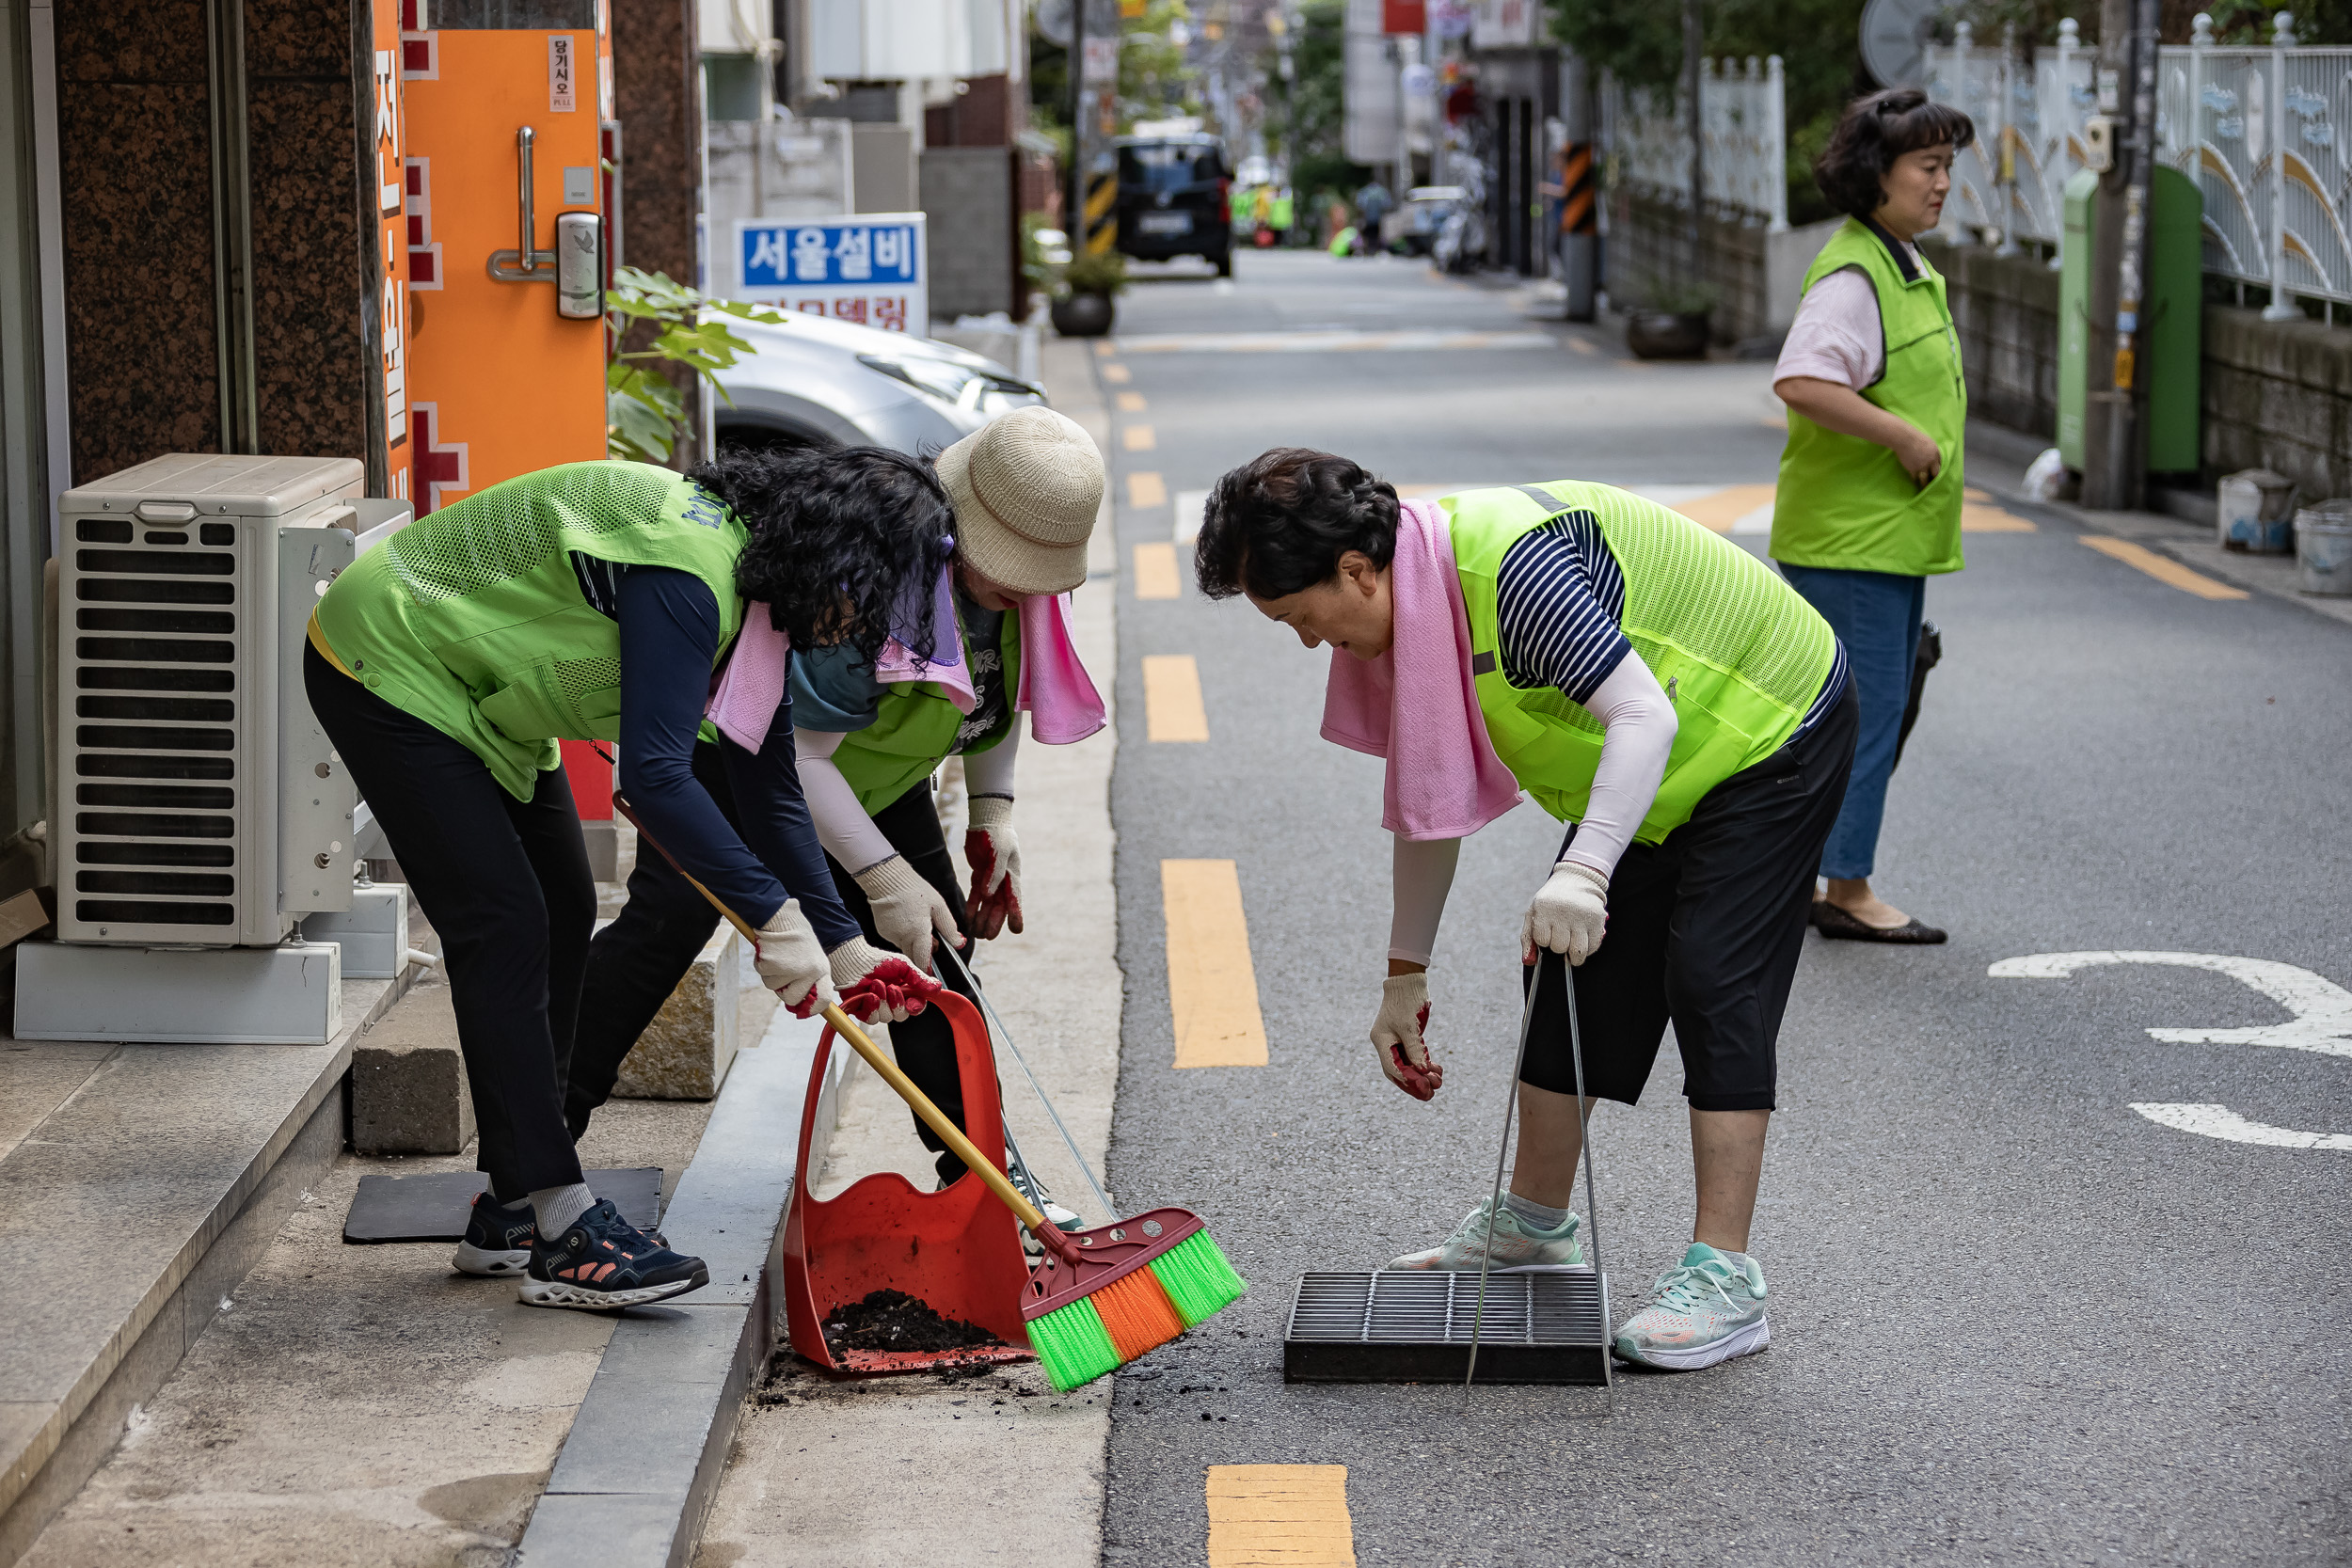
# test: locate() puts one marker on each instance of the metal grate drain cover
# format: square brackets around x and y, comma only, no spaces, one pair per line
[1541,1326]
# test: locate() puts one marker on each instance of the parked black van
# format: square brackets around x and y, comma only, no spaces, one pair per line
[1171,199]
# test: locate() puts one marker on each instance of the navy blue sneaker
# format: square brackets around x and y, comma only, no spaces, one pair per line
[602,1262]
[497,1238]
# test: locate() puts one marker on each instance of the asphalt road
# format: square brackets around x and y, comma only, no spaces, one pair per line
[2015,1320]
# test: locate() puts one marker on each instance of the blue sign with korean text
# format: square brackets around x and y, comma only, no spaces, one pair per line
[869,268]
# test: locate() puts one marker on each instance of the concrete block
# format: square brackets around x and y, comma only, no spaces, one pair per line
[408,1090]
[685,1051]
[570,1528]
[179,996]
[373,933]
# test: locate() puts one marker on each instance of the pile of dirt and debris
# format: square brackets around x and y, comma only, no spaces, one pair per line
[894,1320]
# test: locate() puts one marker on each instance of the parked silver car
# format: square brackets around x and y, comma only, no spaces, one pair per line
[811,380]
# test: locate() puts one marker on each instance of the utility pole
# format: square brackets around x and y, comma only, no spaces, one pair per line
[1694,41]
[2114,466]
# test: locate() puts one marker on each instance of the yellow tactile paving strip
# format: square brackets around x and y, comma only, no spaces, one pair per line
[1212,983]
[1280,1516]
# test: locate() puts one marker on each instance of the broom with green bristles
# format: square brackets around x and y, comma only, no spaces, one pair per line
[1103,1297]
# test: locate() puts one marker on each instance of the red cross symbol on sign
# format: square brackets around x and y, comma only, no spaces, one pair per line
[437,467]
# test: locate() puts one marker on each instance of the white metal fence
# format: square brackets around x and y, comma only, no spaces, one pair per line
[2261,129]
[1743,115]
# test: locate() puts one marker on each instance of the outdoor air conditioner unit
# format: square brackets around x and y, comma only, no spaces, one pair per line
[197,801]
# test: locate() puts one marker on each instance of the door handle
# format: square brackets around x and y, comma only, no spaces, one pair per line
[524,264]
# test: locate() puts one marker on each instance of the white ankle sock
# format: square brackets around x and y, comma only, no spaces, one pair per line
[1537,1215]
[556,1207]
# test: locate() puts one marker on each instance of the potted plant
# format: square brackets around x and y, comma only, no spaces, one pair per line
[1671,322]
[1082,308]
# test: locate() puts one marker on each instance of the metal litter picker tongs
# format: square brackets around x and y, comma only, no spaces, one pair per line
[1502,1155]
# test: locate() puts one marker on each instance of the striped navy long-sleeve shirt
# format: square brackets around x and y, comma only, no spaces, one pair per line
[1559,614]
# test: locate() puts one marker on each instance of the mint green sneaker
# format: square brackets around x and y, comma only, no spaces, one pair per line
[1708,1309]
[1518,1246]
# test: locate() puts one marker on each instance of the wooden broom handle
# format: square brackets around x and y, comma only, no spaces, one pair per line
[844,1025]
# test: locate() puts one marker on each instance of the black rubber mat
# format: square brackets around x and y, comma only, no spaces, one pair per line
[1546,1325]
[433,1207]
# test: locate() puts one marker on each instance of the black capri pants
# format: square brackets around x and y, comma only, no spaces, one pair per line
[1705,930]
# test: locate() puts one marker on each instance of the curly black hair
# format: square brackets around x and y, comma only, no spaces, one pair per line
[845,541]
[1280,523]
[1872,133]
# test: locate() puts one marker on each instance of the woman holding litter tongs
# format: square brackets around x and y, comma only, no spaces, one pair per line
[611,601]
[871,728]
[1675,702]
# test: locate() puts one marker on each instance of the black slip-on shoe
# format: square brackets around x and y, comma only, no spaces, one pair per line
[602,1262]
[1831,921]
[497,1238]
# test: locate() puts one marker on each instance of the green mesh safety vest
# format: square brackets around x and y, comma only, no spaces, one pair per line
[471,617]
[1739,654]
[916,729]
[1846,502]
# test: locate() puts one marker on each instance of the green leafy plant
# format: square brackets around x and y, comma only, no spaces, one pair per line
[1674,296]
[644,411]
[1104,273]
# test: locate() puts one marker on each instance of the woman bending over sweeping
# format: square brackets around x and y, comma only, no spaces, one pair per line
[870,732]
[1669,697]
[610,601]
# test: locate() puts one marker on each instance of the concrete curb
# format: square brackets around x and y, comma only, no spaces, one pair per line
[637,1473]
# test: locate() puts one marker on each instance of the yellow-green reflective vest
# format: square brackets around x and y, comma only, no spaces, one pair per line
[1846,502]
[1738,653]
[917,725]
[472,619]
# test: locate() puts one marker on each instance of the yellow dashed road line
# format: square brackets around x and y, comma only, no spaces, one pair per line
[1280,1516]
[1720,509]
[1118,376]
[1137,438]
[1146,489]
[1130,403]
[1155,572]
[2162,568]
[1212,985]
[1103,349]
[1171,698]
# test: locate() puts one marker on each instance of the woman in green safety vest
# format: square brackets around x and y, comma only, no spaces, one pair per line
[1870,487]
[872,726]
[611,601]
[1668,696]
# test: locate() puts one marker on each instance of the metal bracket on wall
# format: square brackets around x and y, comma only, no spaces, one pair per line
[523,265]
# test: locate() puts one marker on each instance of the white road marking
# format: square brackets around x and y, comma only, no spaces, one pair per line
[2321,1008]
[2322,1021]
[1342,341]
[1190,504]
[2219,1122]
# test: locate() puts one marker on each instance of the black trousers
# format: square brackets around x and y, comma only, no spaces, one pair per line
[506,885]
[635,962]
[1705,929]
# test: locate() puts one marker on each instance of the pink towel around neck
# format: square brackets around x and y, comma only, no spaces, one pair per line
[897,665]
[1444,780]
[1055,693]
[745,699]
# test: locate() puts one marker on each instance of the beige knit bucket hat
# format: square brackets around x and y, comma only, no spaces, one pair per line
[1026,487]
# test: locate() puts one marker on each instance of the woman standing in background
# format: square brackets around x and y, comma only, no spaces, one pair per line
[1869,495]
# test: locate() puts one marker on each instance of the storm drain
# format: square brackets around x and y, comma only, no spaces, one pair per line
[1542,1325]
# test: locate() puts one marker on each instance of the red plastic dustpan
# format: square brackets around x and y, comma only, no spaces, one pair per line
[958,1251]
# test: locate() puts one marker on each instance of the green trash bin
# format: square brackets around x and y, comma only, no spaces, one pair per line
[2175,310]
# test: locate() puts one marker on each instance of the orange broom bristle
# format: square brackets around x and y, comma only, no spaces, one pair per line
[1137,1314]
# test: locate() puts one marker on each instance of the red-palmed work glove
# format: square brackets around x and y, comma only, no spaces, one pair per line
[908,910]
[877,984]
[791,961]
[1396,1036]
[1568,916]
[994,854]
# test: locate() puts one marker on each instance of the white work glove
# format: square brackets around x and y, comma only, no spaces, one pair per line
[1569,913]
[791,963]
[1396,1037]
[994,855]
[876,983]
[907,909]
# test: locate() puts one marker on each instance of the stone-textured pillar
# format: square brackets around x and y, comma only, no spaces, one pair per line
[657,90]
